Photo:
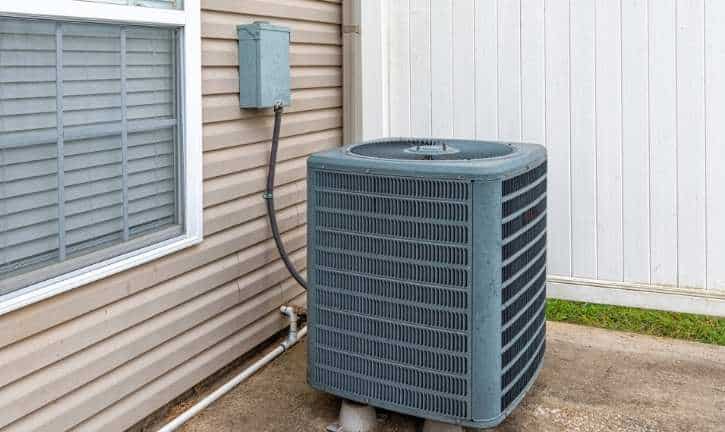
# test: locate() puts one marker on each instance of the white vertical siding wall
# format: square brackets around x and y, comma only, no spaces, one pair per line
[627,95]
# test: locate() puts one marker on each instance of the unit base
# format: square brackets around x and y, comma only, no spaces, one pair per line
[471,423]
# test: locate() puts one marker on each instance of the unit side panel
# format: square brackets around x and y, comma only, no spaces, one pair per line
[523,283]
[390,273]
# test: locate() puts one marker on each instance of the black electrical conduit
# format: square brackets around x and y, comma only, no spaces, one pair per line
[269,198]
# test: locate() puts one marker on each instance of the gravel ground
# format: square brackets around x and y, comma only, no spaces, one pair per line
[592,380]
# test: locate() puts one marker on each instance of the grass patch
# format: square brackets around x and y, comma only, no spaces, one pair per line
[657,323]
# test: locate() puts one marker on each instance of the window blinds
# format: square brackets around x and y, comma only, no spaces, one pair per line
[88,144]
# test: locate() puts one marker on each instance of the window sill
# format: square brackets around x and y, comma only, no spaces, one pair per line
[41,291]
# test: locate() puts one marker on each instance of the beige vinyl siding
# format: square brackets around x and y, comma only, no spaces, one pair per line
[105,355]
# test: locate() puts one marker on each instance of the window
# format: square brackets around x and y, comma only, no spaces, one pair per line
[99,161]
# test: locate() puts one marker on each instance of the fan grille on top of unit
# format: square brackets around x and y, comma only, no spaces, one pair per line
[432,149]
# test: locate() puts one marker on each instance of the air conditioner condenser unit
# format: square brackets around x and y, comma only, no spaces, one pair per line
[427,275]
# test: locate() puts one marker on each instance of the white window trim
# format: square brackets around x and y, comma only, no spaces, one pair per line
[190,20]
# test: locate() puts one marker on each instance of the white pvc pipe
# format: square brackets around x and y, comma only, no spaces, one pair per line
[221,391]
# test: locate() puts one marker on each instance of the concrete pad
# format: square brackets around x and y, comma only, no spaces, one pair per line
[434,426]
[592,380]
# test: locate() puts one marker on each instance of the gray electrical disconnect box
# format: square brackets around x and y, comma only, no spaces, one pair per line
[264,75]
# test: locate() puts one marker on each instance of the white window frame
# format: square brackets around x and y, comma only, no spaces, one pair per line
[188,19]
